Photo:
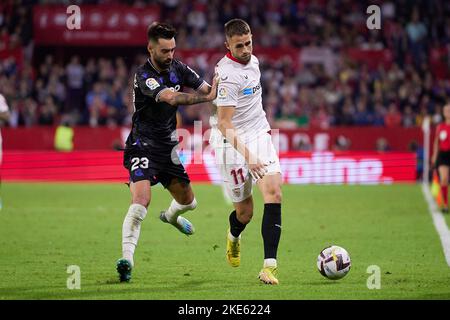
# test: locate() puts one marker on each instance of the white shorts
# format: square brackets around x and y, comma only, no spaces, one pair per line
[236,178]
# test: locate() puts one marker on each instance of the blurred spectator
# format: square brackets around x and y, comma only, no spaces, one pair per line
[48,112]
[320,119]
[393,117]
[382,145]
[417,33]
[408,119]
[303,144]
[75,76]
[437,118]
[362,116]
[342,143]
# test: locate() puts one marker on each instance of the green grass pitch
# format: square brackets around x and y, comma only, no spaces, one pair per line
[44,228]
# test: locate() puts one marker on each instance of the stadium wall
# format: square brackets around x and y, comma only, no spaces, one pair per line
[104,138]
[297,167]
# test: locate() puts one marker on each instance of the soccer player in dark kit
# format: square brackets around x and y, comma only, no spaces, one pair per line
[150,154]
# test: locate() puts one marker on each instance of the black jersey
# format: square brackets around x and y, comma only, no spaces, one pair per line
[154,121]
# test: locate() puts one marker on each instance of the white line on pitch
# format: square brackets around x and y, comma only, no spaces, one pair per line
[439,222]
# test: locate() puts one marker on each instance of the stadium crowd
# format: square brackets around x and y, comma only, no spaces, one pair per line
[96,91]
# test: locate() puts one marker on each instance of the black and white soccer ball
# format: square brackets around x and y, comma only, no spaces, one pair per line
[334,262]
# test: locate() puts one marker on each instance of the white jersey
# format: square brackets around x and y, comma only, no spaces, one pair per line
[240,87]
[3,108]
[3,105]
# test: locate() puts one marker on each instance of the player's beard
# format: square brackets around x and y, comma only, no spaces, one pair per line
[163,64]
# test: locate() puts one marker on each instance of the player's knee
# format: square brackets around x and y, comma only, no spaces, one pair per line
[273,195]
[142,200]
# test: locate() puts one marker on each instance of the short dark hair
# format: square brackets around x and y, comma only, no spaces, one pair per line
[236,27]
[158,30]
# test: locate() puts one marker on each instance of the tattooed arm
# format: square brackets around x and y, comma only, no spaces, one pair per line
[180,98]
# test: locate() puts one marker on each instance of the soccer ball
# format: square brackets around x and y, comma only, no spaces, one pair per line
[333,262]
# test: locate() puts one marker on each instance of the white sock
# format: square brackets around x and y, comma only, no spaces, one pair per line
[176,209]
[128,252]
[270,263]
[131,229]
[233,238]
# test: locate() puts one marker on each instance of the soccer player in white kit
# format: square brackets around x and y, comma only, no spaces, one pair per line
[244,151]
[4,116]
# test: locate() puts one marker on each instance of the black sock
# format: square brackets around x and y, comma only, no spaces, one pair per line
[271,229]
[236,227]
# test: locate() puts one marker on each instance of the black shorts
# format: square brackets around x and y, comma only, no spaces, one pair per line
[443,158]
[157,167]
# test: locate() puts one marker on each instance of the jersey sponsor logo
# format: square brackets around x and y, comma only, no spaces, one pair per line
[222,93]
[248,91]
[176,88]
[224,78]
[443,135]
[151,83]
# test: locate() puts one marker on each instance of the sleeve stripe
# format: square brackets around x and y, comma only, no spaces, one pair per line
[202,84]
[226,106]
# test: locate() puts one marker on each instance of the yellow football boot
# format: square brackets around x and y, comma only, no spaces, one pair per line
[268,275]
[233,251]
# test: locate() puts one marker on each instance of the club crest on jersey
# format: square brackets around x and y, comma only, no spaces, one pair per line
[151,83]
[237,192]
[443,135]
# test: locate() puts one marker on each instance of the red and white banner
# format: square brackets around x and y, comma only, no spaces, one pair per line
[99,25]
[86,138]
[297,167]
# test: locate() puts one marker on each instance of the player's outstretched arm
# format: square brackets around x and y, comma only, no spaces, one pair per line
[205,88]
[224,115]
[180,98]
